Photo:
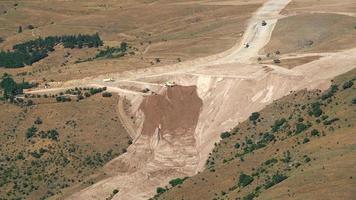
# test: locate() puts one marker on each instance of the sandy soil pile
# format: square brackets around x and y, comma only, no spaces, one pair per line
[171,119]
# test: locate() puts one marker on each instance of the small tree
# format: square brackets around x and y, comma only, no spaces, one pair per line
[225,135]
[160,190]
[19,30]
[38,121]
[244,180]
[347,84]
[254,116]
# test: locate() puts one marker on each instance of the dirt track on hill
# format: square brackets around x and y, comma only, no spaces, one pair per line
[176,128]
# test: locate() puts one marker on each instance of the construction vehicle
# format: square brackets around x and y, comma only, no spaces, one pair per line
[246,45]
[264,23]
[108,80]
[169,84]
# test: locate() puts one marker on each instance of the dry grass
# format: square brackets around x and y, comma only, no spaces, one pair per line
[88,131]
[313,33]
[159,29]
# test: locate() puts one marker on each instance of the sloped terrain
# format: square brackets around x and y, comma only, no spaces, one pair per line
[318,32]
[299,147]
[55,148]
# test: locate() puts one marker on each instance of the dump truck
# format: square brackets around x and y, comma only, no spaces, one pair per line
[108,80]
[170,84]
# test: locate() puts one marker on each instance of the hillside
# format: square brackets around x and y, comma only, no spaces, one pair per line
[299,147]
[54,148]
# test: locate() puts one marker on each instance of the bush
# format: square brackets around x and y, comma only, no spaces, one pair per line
[329,122]
[276,178]
[107,94]
[225,135]
[160,190]
[176,182]
[254,116]
[277,124]
[315,132]
[245,180]
[237,145]
[115,191]
[300,127]
[271,161]
[347,84]
[330,92]
[250,196]
[306,140]
[315,109]
[31,132]
[38,121]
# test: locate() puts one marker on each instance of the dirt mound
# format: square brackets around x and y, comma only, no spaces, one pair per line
[177,108]
[170,121]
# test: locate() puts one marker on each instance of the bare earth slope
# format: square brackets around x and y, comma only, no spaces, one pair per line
[310,151]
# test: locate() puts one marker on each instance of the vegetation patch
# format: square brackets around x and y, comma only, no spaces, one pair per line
[32,51]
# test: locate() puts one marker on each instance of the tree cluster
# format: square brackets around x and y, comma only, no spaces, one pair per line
[32,51]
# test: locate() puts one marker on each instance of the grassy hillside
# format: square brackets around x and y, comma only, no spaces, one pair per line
[55,148]
[299,147]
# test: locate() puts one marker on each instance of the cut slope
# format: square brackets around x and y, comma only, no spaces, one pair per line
[292,150]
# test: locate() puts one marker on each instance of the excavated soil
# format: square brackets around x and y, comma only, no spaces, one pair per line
[170,121]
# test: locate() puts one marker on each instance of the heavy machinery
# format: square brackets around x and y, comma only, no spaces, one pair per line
[108,80]
[170,84]
[264,23]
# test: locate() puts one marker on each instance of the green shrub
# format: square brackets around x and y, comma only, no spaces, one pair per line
[300,127]
[176,182]
[107,94]
[254,116]
[250,196]
[306,140]
[347,84]
[353,101]
[276,178]
[245,180]
[160,190]
[330,92]
[315,109]
[277,124]
[315,132]
[38,121]
[329,122]
[237,145]
[31,132]
[306,159]
[271,161]
[225,135]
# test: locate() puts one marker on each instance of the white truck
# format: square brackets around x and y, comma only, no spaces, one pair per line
[108,80]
